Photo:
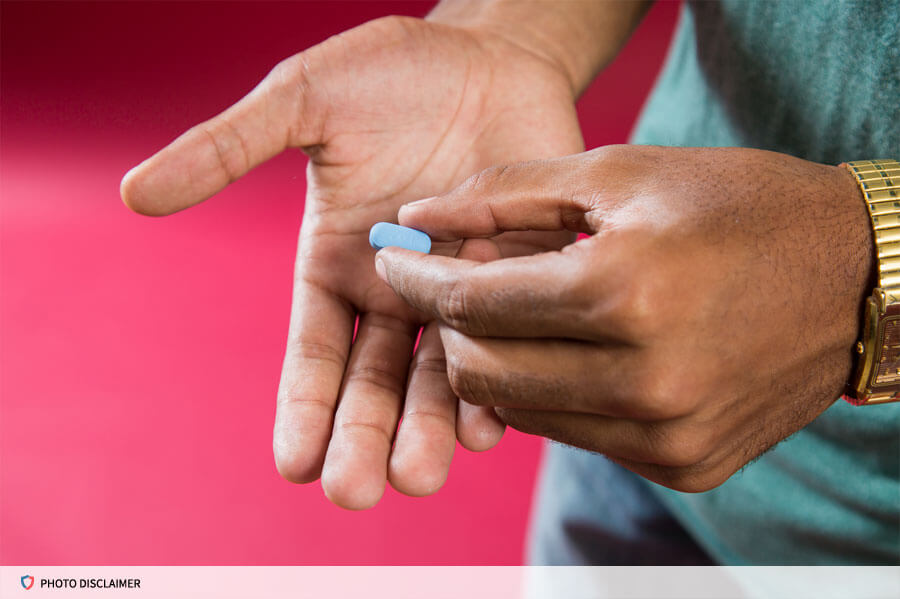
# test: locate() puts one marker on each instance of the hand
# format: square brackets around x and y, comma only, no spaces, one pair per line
[710,314]
[391,111]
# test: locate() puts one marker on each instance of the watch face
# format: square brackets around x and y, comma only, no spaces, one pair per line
[887,371]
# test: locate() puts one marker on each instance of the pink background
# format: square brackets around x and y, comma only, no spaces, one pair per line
[140,357]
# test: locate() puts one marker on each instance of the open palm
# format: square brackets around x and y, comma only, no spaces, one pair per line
[390,112]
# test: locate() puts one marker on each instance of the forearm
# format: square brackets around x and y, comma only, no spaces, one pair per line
[578,36]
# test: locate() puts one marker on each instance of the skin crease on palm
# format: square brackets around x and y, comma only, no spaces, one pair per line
[710,314]
[390,112]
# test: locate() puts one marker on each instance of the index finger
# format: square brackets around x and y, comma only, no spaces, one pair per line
[542,195]
[528,296]
[207,157]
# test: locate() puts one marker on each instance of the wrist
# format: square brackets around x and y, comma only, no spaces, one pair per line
[576,39]
[507,42]
[860,234]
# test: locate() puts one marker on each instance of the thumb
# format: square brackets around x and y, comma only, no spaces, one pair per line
[542,195]
[209,156]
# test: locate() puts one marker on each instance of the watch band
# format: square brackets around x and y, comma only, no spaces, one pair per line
[877,377]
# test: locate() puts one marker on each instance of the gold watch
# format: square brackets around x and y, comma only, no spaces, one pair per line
[877,376]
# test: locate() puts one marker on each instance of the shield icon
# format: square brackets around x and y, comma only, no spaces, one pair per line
[27,581]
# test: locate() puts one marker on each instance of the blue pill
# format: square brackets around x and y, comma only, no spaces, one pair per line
[385,235]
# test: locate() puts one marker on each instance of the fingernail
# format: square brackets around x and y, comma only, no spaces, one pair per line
[380,269]
[420,202]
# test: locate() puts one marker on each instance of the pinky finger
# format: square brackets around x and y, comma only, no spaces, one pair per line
[478,428]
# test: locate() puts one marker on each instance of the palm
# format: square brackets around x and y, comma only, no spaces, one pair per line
[393,111]
[383,145]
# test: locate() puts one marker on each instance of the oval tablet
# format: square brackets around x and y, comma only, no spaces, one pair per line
[384,235]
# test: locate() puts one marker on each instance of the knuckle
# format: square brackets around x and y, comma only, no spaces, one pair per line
[441,418]
[487,180]
[458,378]
[525,422]
[285,72]
[622,156]
[455,305]
[357,424]
[303,350]
[461,310]
[455,368]
[396,22]
[289,84]
[297,393]
[229,145]
[636,312]
[679,446]
[603,153]
[377,376]
[696,480]
[611,158]
[468,385]
[664,394]
[434,365]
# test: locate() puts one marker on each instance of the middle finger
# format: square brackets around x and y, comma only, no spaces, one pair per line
[355,469]
[561,375]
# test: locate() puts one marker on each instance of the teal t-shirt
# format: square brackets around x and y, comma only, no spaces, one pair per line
[819,80]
